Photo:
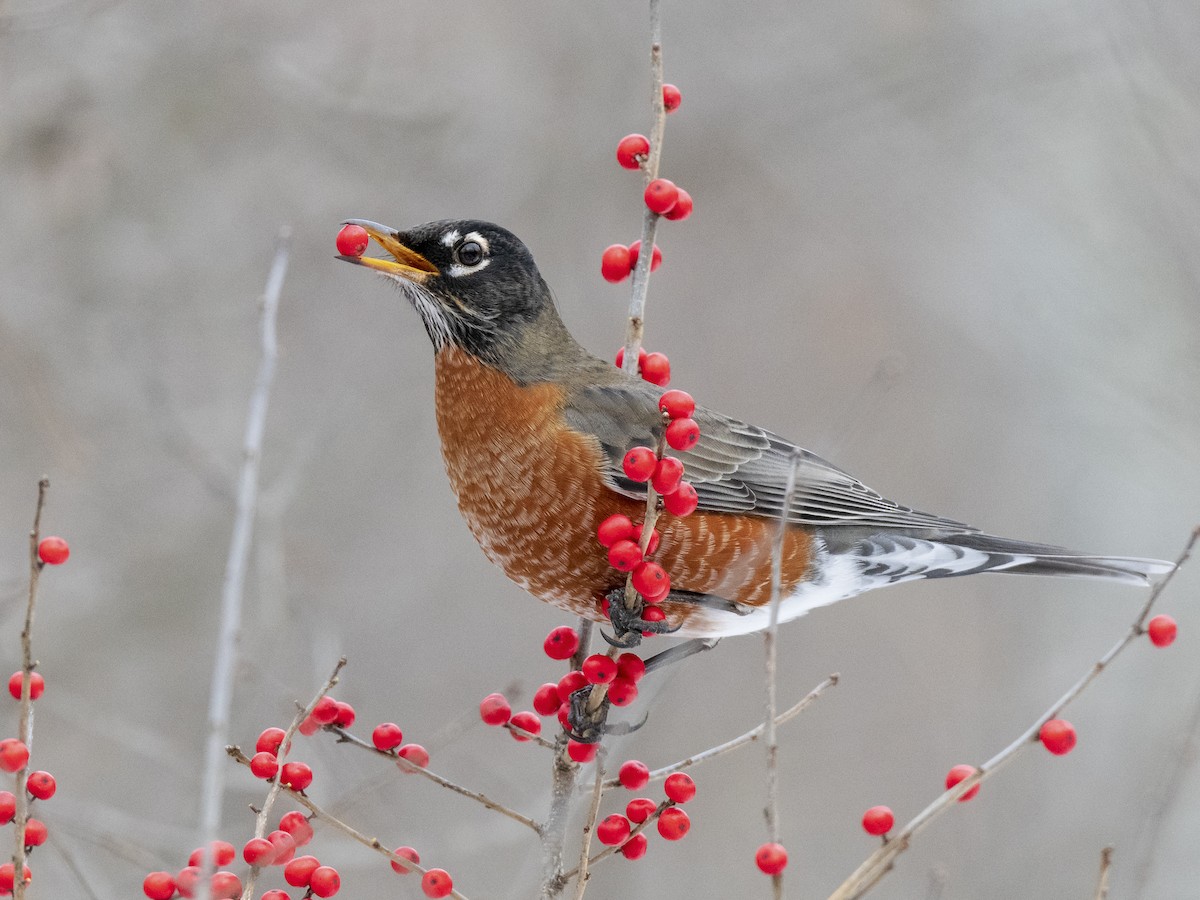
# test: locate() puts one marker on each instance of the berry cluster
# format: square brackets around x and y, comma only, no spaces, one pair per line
[653,367]
[662,197]
[627,831]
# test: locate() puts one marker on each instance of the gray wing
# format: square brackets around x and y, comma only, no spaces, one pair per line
[736,467]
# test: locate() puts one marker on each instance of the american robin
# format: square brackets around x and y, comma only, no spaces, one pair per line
[534,429]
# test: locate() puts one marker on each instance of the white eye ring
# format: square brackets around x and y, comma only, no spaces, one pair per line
[473,260]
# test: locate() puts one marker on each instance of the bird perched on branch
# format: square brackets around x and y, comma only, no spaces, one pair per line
[534,429]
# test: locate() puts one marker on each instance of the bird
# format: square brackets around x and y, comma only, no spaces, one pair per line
[534,429]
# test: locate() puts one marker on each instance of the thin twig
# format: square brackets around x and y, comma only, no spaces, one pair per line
[285,746]
[641,272]
[740,741]
[881,861]
[1105,865]
[225,664]
[25,728]
[554,829]
[770,646]
[345,737]
[350,831]
[589,826]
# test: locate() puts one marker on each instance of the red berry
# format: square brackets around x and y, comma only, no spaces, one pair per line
[8,807]
[299,871]
[526,721]
[546,700]
[264,765]
[682,434]
[408,853]
[651,580]
[415,754]
[639,809]
[620,360]
[561,643]
[309,726]
[157,886]
[657,369]
[624,556]
[269,741]
[570,683]
[639,463]
[656,258]
[437,883]
[679,787]
[683,501]
[1058,736]
[53,551]
[41,785]
[1161,629]
[258,852]
[634,775]
[325,711]
[324,881]
[581,752]
[667,475]
[771,858]
[635,847]
[613,830]
[630,147]
[878,820]
[387,736]
[673,823]
[297,825]
[345,715]
[295,775]
[682,208]
[677,404]
[222,854]
[225,886]
[564,716]
[957,774]
[352,240]
[275,895]
[285,847]
[671,98]
[652,614]
[631,666]
[13,755]
[622,691]
[37,684]
[615,264]
[186,881]
[35,833]
[7,877]
[494,710]
[661,195]
[599,669]
[615,528]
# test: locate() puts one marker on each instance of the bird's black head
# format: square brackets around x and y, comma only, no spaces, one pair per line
[473,283]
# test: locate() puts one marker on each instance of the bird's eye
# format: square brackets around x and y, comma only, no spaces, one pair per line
[469,253]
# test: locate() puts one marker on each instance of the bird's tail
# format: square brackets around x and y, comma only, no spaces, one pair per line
[900,557]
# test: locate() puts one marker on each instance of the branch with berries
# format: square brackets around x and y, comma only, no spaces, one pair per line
[1055,734]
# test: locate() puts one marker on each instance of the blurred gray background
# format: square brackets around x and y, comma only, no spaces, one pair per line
[951,246]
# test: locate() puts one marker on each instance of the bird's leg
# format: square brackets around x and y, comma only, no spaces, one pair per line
[587,723]
[680,652]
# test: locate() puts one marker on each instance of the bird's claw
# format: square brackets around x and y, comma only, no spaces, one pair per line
[628,624]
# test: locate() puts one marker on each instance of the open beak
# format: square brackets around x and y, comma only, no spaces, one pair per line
[405,263]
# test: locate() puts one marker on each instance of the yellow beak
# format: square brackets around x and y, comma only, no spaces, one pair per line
[405,263]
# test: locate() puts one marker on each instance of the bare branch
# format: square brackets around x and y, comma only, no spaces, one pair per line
[881,861]
[346,737]
[1105,865]
[225,664]
[589,826]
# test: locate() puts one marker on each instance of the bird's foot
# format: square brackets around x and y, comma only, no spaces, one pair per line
[587,722]
[629,625]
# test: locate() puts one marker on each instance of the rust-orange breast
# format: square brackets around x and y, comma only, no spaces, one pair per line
[531,492]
